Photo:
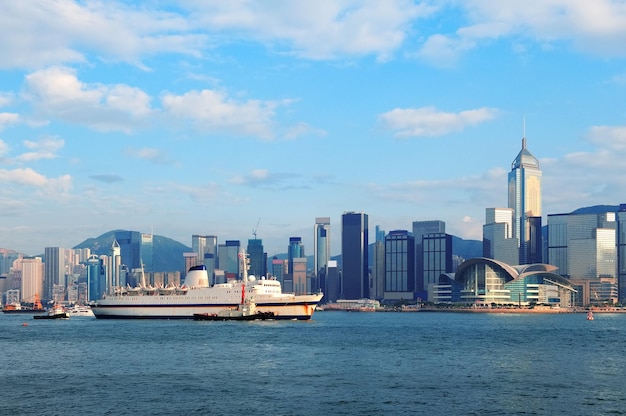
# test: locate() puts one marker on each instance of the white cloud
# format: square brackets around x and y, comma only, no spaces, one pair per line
[316,30]
[29,177]
[595,27]
[214,111]
[46,148]
[8,118]
[4,148]
[51,32]
[428,122]
[57,92]
[612,137]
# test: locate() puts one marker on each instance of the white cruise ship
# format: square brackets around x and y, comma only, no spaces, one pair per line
[196,296]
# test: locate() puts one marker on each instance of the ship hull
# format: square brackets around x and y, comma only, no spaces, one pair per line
[184,307]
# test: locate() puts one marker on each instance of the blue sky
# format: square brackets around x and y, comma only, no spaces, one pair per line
[202,117]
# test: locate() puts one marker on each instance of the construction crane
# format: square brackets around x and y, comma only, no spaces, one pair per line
[255,228]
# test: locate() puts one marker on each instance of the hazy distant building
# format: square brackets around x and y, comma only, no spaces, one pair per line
[498,241]
[584,247]
[321,250]
[228,255]
[332,289]
[525,200]
[114,267]
[146,253]
[279,269]
[257,257]
[436,258]
[54,273]
[96,278]
[354,254]
[399,266]
[299,278]
[32,271]
[621,253]
[295,250]
[378,270]
[421,228]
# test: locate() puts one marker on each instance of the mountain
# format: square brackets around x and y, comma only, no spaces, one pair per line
[466,248]
[167,254]
[596,209]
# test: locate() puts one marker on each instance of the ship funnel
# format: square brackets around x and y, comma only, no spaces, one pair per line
[197,276]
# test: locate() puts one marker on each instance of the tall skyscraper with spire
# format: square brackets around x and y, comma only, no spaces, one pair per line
[525,200]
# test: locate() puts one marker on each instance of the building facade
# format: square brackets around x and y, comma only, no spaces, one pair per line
[524,199]
[399,266]
[420,229]
[354,255]
[258,258]
[321,250]
[498,241]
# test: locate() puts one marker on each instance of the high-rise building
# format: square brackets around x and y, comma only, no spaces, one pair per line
[294,251]
[354,256]
[96,278]
[228,258]
[420,229]
[498,241]
[298,276]
[32,271]
[198,246]
[258,258]
[585,249]
[525,200]
[378,270]
[54,273]
[437,258]
[129,243]
[321,250]
[146,249]
[114,267]
[399,265]
[621,253]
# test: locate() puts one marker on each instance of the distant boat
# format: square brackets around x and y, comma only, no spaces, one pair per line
[17,307]
[590,316]
[81,311]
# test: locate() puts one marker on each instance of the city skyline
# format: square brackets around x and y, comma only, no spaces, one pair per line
[177,119]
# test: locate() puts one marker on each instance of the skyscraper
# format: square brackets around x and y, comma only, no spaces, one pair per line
[130,248]
[399,265]
[437,258]
[54,273]
[294,251]
[354,255]
[420,229]
[258,258]
[321,250]
[621,253]
[229,258]
[498,241]
[525,200]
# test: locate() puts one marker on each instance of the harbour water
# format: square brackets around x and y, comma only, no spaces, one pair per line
[336,364]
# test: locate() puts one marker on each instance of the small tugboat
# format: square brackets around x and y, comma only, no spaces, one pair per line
[246,311]
[56,312]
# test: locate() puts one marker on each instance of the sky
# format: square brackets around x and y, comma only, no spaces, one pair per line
[241,117]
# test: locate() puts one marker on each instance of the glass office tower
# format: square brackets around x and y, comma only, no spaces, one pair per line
[354,247]
[525,199]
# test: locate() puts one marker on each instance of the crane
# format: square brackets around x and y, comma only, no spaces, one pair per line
[255,228]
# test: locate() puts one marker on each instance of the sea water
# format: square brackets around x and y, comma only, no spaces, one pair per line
[336,364]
